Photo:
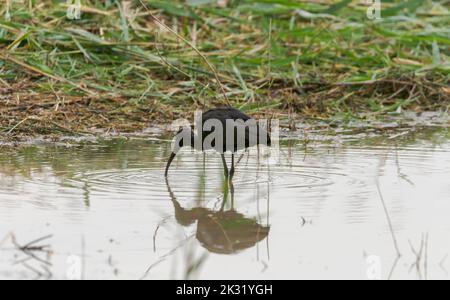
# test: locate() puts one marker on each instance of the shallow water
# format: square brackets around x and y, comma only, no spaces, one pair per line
[317,213]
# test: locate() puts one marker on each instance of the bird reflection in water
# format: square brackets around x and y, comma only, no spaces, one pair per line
[223,231]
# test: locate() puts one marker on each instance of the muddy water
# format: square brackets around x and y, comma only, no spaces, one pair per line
[336,208]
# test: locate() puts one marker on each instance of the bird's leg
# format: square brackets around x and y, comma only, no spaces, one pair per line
[232,166]
[225,167]
[231,193]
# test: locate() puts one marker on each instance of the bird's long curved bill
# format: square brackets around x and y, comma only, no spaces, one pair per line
[169,162]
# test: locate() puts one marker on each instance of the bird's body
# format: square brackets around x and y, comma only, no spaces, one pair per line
[223,129]
[222,113]
[244,128]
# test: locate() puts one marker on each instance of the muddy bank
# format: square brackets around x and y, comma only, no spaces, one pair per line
[25,113]
[305,129]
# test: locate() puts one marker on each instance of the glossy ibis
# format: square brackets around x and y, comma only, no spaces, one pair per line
[215,133]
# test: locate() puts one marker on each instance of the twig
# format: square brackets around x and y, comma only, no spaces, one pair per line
[91,10]
[154,237]
[398,92]
[28,250]
[47,270]
[18,124]
[393,137]
[418,255]
[23,260]
[156,231]
[213,69]
[39,274]
[4,83]
[30,244]
[269,71]
[375,81]
[391,228]
[170,65]
[394,266]
[163,258]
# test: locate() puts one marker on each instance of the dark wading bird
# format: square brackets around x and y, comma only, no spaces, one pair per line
[253,135]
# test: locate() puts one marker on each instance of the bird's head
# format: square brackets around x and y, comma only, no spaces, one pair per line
[185,137]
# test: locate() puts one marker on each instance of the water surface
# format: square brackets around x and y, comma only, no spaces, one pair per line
[318,212]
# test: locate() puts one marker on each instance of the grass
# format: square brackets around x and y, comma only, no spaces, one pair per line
[116,69]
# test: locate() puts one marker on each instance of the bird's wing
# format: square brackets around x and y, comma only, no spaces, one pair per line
[225,113]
